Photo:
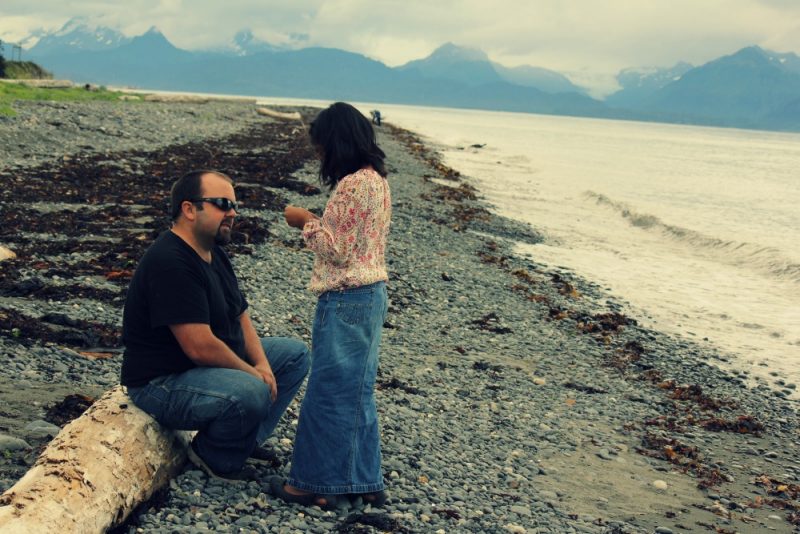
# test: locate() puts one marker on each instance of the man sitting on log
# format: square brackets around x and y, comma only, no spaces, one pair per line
[193,359]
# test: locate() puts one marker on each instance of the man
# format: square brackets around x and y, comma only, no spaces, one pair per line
[193,359]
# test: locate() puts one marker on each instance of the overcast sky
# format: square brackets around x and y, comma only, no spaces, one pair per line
[587,40]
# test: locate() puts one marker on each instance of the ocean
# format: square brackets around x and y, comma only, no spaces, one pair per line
[696,229]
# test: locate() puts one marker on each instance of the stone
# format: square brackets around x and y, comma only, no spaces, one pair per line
[10,443]
[42,429]
[660,485]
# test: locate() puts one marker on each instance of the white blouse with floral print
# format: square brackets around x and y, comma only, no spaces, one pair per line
[350,238]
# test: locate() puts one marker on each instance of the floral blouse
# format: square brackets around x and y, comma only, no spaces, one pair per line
[350,238]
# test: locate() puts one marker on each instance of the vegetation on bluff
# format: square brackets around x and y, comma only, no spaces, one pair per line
[12,92]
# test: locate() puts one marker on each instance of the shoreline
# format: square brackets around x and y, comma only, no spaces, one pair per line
[512,397]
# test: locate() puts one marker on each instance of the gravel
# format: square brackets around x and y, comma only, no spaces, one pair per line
[501,409]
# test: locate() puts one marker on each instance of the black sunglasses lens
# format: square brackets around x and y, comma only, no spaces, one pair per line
[225,204]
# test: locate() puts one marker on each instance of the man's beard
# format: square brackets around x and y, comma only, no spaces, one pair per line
[223,238]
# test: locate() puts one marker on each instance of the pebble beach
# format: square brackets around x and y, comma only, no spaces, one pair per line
[512,397]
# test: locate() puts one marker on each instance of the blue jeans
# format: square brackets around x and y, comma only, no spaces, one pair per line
[337,447]
[231,410]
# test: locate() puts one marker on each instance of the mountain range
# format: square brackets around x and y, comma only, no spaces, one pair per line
[751,88]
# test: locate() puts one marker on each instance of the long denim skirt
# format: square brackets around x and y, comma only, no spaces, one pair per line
[337,446]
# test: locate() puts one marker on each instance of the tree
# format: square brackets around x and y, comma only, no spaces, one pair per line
[2,61]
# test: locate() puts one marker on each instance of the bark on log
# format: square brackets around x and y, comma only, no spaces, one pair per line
[95,472]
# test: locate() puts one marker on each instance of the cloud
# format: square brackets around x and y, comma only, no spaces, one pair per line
[593,39]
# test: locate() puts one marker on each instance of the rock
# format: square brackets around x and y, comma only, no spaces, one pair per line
[6,253]
[660,485]
[10,443]
[42,429]
[548,495]
[604,454]
[523,511]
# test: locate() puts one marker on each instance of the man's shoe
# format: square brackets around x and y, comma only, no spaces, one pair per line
[244,474]
[265,455]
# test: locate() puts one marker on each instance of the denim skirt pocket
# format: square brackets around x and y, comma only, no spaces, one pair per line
[353,312]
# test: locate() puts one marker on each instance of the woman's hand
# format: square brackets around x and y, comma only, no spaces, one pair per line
[297,217]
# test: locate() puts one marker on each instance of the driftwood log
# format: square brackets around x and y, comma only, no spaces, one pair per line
[95,472]
[293,115]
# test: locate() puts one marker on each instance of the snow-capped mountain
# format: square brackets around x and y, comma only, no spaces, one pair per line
[244,43]
[639,83]
[78,34]
[473,66]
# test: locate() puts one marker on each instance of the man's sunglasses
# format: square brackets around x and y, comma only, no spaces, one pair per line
[225,204]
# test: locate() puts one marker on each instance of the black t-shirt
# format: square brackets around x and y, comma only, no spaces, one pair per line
[173,285]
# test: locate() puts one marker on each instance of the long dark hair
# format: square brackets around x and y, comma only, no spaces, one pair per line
[346,143]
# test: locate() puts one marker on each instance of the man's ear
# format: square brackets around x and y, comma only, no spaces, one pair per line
[189,210]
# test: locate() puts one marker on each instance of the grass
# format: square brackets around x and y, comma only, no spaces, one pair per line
[20,70]
[11,92]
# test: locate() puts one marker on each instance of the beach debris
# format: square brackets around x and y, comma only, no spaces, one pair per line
[293,115]
[624,356]
[99,468]
[112,206]
[743,424]
[686,457]
[694,393]
[415,146]
[491,323]
[359,523]
[95,355]
[659,485]
[176,98]
[778,488]
[461,193]
[394,383]
[584,388]
[447,512]
[27,329]
[69,408]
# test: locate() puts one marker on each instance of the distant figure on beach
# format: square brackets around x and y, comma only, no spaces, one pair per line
[193,359]
[376,117]
[337,451]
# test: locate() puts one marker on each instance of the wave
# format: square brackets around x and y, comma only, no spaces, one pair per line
[741,254]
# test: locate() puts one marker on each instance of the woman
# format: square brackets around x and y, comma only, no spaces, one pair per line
[337,446]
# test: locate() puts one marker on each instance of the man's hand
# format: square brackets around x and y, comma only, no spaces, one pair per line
[297,217]
[265,373]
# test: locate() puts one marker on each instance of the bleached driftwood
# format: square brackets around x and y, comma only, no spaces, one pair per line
[292,116]
[177,98]
[95,472]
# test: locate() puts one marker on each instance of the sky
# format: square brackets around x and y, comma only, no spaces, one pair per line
[589,41]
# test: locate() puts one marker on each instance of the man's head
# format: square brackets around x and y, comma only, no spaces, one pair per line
[204,201]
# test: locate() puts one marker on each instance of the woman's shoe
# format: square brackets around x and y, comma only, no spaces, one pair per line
[277,489]
[376,499]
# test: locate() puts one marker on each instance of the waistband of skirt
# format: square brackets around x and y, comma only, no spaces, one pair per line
[369,288]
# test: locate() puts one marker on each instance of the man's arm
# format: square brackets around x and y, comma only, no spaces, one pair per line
[207,350]
[255,353]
